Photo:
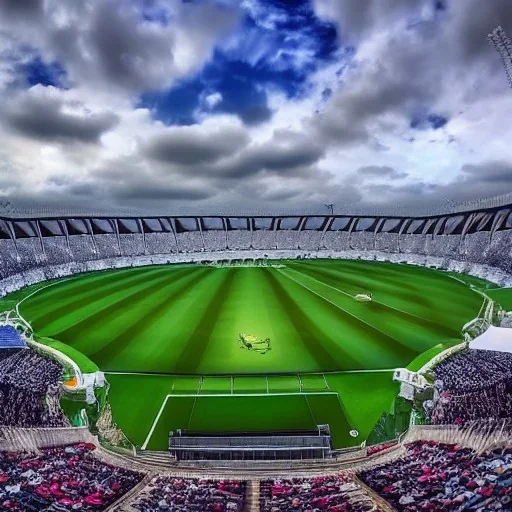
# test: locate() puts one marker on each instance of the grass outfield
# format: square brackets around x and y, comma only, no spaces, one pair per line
[186,320]
[136,401]
[175,328]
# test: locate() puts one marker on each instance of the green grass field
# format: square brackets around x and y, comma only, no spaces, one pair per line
[168,338]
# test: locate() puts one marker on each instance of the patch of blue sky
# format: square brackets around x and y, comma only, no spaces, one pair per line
[37,71]
[277,47]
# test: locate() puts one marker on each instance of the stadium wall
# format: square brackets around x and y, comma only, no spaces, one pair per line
[35,249]
[29,277]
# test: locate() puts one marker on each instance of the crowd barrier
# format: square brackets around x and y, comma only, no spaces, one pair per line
[32,439]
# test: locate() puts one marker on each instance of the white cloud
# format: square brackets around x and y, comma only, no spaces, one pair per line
[352,147]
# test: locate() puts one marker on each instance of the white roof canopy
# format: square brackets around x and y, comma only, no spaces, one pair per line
[494,338]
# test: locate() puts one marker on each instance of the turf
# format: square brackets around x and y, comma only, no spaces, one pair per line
[187,319]
[176,328]
[502,296]
[252,414]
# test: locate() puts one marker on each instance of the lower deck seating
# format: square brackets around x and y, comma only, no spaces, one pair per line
[335,493]
[61,479]
[433,476]
[166,493]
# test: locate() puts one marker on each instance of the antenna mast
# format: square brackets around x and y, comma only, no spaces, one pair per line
[501,42]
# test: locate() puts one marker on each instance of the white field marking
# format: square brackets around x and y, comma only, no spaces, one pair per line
[310,411]
[338,307]
[164,403]
[326,383]
[379,370]
[43,347]
[27,324]
[157,419]
[352,297]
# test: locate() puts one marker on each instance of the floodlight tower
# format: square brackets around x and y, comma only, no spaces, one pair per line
[501,42]
[330,207]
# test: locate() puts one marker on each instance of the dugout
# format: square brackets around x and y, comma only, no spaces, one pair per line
[293,445]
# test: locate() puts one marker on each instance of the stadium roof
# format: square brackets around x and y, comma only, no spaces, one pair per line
[494,338]
[446,207]
[10,337]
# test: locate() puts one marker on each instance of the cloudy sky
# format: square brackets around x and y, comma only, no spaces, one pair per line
[252,104]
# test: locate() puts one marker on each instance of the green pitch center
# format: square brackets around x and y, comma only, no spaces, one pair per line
[183,319]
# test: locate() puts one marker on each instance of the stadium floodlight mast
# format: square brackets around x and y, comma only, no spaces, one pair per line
[501,42]
[330,207]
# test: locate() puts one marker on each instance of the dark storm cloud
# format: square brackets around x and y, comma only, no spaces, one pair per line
[475,181]
[123,49]
[288,159]
[381,171]
[43,117]
[354,17]
[188,146]
[112,43]
[488,173]
[21,8]
[157,191]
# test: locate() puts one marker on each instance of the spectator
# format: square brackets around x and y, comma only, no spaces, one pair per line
[171,494]
[61,479]
[435,476]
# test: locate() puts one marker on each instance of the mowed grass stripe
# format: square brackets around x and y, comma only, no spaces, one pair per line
[190,357]
[346,337]
[55,308]
[252,308]
[413,333]
[159,347]
[323,348]
[369,280]
[144,348]
[126,329]
[419,278]
[82,321]
[443,299]
[70,288]
[337,281]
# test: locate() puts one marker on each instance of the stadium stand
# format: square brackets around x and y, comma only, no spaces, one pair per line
[191,495]
[466,239]
[436,476]
[333,493]
[60,479]
[29,391]
[430,474]
[10,338]
[474,384]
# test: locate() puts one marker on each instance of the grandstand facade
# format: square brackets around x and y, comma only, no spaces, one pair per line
[479,233]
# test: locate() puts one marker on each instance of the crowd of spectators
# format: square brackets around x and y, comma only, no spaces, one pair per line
[472,385]
[61,479]
[27,382]
[171,494]
[434,476]
[335,493]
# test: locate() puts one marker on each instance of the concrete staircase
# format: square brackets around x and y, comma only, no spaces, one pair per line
[252,503]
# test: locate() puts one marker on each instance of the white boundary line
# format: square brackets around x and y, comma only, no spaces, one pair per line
[373,300]
[338,307]
[341,372]
[57,353]
[224,395]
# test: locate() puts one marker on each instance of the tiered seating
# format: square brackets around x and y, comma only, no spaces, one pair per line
[433,476]
[60,479]
[191,495]
[10,338]
[26,379]
[335,493]
[473,385]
